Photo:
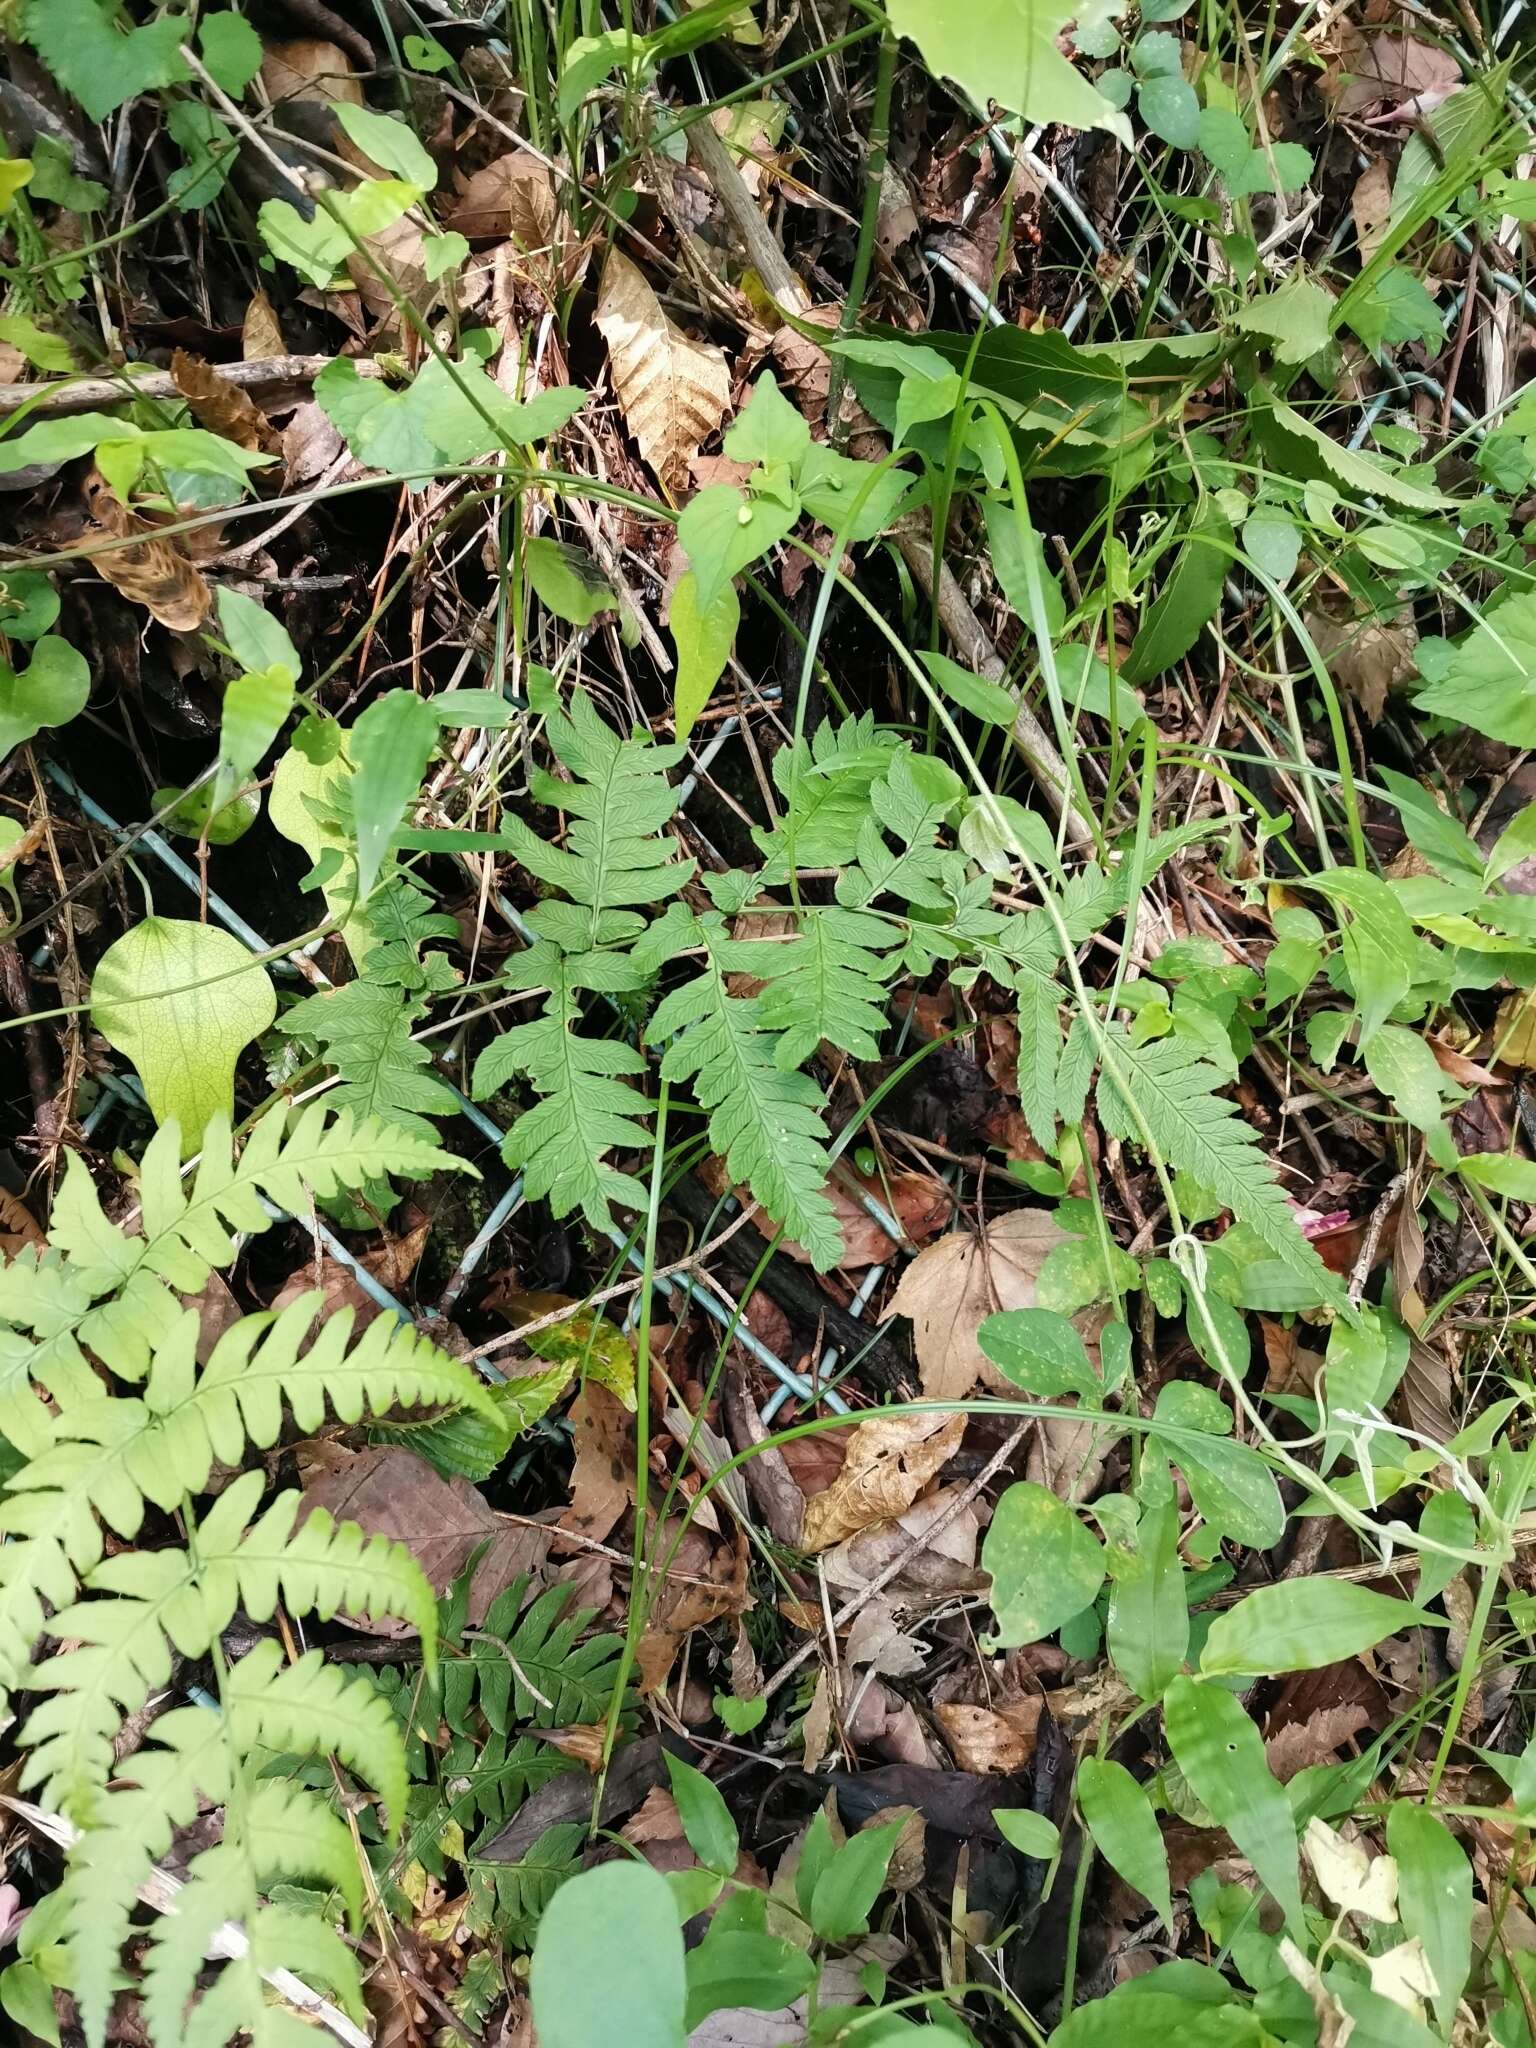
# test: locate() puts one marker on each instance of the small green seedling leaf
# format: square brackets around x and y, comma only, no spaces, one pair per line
[1032,1834]
[706,1819]
[704,639]
[391,745]
[852,1880]
[51,690]
[567,581]
[194,816]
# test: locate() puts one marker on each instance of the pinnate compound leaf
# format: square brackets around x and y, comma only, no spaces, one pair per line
[96,63]
[1199,1132]
[1006,50]
[51,690]
[608,1966]
[1046,1566]
[1219,1751]
[182,1001]
[1303,1625]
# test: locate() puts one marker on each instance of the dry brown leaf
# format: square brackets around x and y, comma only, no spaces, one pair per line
[934,1561]
[705,1583]
[603,1480]
[260,334]
[153,573]
[1315,1740]
[673,391]
[223,408]
[951,1288]
[920,1202]
[399,251]
[309,69]
[1390,69]
[889,1461]
[584,1742]
[1371,205]
[18,1226]
[509,199]
[1368,659]
[389,1491]
[310,445]
[998,1739]
[816,1728]
[1514,1031]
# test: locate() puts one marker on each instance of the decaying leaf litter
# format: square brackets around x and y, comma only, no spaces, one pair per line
[763,849]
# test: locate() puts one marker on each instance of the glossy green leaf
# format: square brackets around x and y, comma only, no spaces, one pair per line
[1188,600]
[566,580]
[1032,1834]
[1170,109]
[1041,1352]
[256,707]
[1304,1625]
[1045,1565]
[29,604]
[1294,318]
[608,1968]
[851,1880]
[1489,682]
[231,49]
[768,428]
[1501,1172]
[1006,50]
[92,61]
[707,1823]
[734,1967]
[722,532]
[1147,1631]
[182,1001]
[388,143]
[1221,1754]
[1434,1897]
[255,638]
[1167,2008]
[197,816]
[704,639]
[391,745]
[1381,948]
[1119,1816]
[51,690]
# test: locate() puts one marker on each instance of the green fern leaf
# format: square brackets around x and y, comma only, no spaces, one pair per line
[618,801]
[826,785]
[311,1707]
[1040,1049]
[114,1292]
[585,1110]
[1199,1132]
[912,802]
[764,1123]
[364,1032]
[828,984]
[108,1456]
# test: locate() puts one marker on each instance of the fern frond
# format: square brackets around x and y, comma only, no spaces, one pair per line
[586,1110]
[320,1567]
[826,785]
[311,1707]
[1199,1132]
[1040,1048]
[364,1031]
[618,801]
[100,1287]
[764,1123]
[828,984]
[106,1457]
[912,801]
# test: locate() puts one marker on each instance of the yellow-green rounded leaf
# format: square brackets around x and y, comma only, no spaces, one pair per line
[182,1001]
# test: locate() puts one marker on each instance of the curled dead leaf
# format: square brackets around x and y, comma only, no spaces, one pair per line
[890,1460]
[18,1226]
[998,1739]
[261,335]
[951,1288]
[309,68]
[151,572]
[220,406]
[673,391]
